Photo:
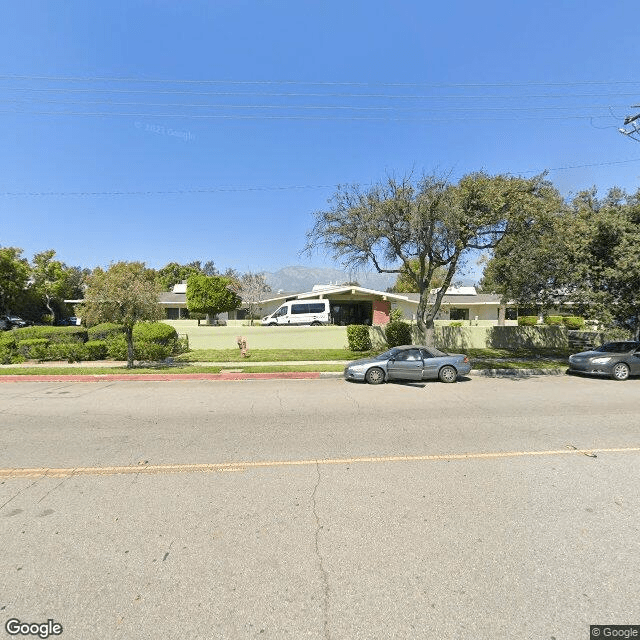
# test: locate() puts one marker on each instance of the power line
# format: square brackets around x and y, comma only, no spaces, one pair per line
[283,117]
[305,106]
[289,94]
[237,189]
[318,83]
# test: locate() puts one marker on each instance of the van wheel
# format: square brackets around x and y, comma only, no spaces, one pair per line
[315,324]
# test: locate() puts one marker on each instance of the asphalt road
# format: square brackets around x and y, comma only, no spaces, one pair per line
[321,509]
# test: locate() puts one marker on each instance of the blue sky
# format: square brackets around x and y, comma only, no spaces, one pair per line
[217,127]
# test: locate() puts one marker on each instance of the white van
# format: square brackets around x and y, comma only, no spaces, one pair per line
[313,312]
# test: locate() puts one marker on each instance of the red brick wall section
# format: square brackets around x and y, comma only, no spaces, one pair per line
[381,311]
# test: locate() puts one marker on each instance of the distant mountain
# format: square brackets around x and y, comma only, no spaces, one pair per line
[299,278]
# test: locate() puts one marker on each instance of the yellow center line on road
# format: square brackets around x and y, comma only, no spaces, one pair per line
[42,472]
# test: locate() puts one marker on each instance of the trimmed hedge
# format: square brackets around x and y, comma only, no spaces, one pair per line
[53,334]
[398,333]
[527,321]
[553,320]
[104,331]
[95,350]
[573,322]
[359,337]
[156,332]
[33,348]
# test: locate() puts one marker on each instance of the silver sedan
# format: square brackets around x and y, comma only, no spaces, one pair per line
[618,360]
[409,362]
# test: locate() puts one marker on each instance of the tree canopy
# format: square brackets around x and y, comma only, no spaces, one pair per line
[125,293]
[211,295]
[586,254]
[422,227]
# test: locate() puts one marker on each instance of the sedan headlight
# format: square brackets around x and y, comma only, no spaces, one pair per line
[357,367]
[600,360]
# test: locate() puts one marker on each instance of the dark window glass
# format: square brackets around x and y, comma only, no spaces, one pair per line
[459,314]
[299,308]
[316,308]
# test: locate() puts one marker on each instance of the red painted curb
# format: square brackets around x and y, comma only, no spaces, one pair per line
[162,377]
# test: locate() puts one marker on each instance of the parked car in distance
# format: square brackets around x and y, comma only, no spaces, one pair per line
[16,322]
[618,360]
[409,362]
[72,321]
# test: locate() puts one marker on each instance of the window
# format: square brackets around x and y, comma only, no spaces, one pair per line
[459,314]
[317,307]
[511,313]
[409,355]
[299,308]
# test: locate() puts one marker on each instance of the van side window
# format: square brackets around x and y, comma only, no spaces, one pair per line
[316,308]
[283,311]
[299,308]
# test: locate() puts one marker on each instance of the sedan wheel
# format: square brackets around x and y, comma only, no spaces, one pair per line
[375,376]
[620,371]
[448,374]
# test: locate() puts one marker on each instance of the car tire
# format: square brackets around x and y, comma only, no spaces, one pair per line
[315,324]
[448,374]
[620,371]
[375,375]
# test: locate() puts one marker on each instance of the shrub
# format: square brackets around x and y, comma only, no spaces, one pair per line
[70,351]
[53,334]
[573,322]
[457,323]
[150,351]
[527,321]
[95,350]
[359,337]
[157,332]
[33,349]
[553,320]
[116,347]
[398,333]
[396,315]
[104,331]
[47,318]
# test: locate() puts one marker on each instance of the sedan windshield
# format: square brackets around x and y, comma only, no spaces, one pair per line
[617,347]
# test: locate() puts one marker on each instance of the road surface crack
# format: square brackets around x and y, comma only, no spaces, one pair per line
[323,571]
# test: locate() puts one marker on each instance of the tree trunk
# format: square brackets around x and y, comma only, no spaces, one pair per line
[128,332]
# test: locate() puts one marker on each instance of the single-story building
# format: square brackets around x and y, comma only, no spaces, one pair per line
[359,305]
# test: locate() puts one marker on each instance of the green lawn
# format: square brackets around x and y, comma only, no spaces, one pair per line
[271,355]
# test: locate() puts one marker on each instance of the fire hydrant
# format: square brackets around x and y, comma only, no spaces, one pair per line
[242,345]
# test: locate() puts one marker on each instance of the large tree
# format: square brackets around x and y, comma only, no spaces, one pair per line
[586,255]
[252,288]
[211,295]
[125,293]
[14,276]
[425,226]
[53,282]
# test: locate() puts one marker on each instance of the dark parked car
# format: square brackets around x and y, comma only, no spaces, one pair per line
[409,362]
[16,322]
[618,360]
[68,322]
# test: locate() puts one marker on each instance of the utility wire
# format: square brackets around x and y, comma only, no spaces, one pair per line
[254,188]
[321,95]
[319,83]
[28,102]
